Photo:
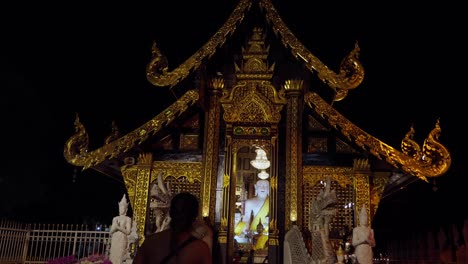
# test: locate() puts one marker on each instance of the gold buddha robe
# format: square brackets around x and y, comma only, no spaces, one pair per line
[260,241]
[239,228]
[262,213]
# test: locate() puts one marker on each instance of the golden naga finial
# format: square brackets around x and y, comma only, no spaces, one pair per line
[78,143]
[157,72]
[409,146]
[76,149]
[159,63]
[432,160]
[434,154]
[351,72]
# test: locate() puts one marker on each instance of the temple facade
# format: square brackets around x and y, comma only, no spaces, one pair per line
[255,88]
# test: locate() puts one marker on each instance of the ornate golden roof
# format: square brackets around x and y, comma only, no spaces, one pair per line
[349,77]
[430,160]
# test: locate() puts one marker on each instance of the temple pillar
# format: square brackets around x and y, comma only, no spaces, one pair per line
[211,150]
[226,233]
[293,210]
[137,181]
[274,250]
[361,184]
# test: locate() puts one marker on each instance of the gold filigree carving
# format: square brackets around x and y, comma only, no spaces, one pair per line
[141,199]
[342,175]
[189,170]
[350,75]
[293,90]
[251,131]
[254,99]
[217,83]
[210,148]
[362,190]
[145,159]
[251,107]
[129,174]
[361,165]
[433,161]
[157,71]
[293,85]
[351,72]
[76,148]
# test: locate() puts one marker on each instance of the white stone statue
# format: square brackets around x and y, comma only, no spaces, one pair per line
[295,251]
[363,239]
[257,206]
[132,243]
[322,210]
[119,231]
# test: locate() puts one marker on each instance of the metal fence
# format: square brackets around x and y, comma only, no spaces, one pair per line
[39,243]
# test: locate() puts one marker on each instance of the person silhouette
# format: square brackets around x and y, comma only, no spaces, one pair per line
[183,246]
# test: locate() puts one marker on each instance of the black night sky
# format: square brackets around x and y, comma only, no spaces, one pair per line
[58,60]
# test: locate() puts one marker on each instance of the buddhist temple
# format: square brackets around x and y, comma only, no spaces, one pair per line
[254,104]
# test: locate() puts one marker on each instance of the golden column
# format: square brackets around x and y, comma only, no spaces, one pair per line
[293,210]
[229,206]
[137,180]
[362,174]
[210,149]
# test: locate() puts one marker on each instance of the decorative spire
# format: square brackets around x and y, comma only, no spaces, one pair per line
[123,202]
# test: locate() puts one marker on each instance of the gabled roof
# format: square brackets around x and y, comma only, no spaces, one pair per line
[431,159]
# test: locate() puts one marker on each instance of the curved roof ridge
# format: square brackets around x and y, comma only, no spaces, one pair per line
[351,72]
[76,148]
[157,69]
[350,76]
[432,160]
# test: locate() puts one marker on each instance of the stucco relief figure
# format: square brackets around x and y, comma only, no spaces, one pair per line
[363,239]
[161,196]
[257,208]
[119,231]
[322,211]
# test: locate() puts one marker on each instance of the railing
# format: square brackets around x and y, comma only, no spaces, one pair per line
[23,243]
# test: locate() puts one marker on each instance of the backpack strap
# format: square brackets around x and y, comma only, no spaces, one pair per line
[181,246]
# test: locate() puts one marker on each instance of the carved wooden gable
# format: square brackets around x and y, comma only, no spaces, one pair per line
[253,99]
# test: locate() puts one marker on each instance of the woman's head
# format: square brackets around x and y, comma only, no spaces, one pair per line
[183,211]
